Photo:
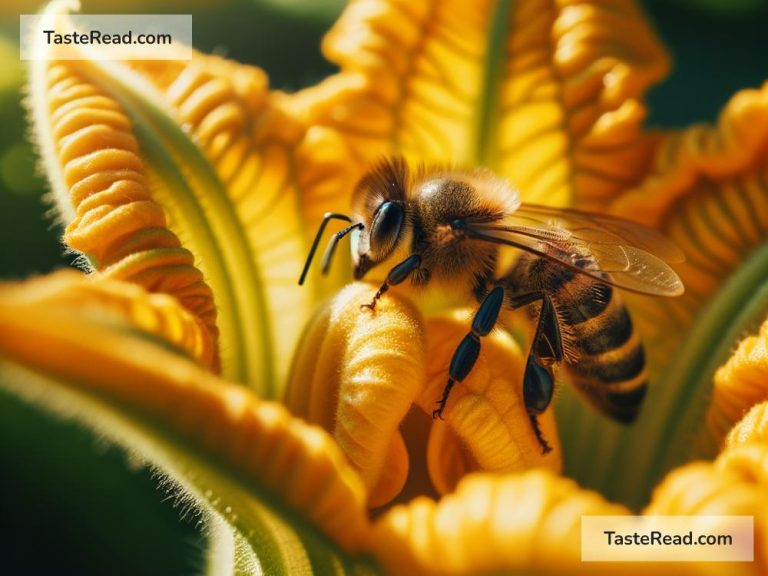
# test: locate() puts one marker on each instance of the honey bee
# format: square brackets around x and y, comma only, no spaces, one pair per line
[451,229]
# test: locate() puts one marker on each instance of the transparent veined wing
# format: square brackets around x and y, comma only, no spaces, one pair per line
[599,229]
[607,248]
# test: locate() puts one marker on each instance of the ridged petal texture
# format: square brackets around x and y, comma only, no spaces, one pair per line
[740,383]
[548,93]
[531,523]
[192,178]
[156,316]
[372,380]
[116,223]
[280,174]
[67,342]
[707,192]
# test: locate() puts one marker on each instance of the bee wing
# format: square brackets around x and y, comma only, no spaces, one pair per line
[599,229]
[611,259]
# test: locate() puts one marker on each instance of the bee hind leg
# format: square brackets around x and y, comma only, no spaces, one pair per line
[466,353]
[396,275]
[545,447]
[539,379]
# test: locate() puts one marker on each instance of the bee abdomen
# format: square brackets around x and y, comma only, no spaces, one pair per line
[610,362]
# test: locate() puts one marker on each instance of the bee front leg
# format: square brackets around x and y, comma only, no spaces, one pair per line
[466,354]
[396,276]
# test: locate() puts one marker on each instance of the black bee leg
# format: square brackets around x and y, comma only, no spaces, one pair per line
[539,380]
[438,412]
[545,447]
[466,354]
[397,275]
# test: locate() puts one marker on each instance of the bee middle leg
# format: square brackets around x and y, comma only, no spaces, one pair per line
[396,275]
[465,356]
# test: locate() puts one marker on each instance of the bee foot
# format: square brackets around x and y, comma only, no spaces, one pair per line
[545,447]
[371,306]
[438,412]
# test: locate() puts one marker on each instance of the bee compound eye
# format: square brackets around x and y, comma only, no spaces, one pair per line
[385,229]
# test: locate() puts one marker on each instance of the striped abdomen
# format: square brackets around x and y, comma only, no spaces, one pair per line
[604,355]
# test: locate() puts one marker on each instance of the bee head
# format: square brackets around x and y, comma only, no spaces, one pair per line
[379,205]
[377,241]
[379,222]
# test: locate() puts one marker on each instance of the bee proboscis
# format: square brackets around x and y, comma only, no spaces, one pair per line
[452,228]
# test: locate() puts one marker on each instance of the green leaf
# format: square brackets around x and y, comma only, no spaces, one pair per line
[250,531]
[55,471]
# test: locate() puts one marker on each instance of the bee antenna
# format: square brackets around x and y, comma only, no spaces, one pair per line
[330,251]
[328,216]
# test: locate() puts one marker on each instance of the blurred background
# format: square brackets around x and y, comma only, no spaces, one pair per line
[69,505]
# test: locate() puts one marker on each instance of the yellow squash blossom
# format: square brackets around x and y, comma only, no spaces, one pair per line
[192,190]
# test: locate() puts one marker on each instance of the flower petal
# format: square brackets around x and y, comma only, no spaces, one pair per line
[92,158]
[708,194]
[711,491]
[490,524]
[138,184]
[548,94]
[280,175]
[356,374]
[740,384]
[486,425]
[735,484]
[360,376]
[753,427]
[224,447]
[67,293]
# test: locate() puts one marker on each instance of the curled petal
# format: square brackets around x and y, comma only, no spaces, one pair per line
[750,461]
[547,93]
[734,485]
[740,384]
[68,293]
[104,187]
[133,186]
[361,376]
[280,174]
[689,158]
[569,108]
[85,348]
[752,428]
[492,523]
[486,425]
[411,77]
[702,488]
[356,374]
[707,193]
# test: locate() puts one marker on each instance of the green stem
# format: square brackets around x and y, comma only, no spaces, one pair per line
[495,59]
